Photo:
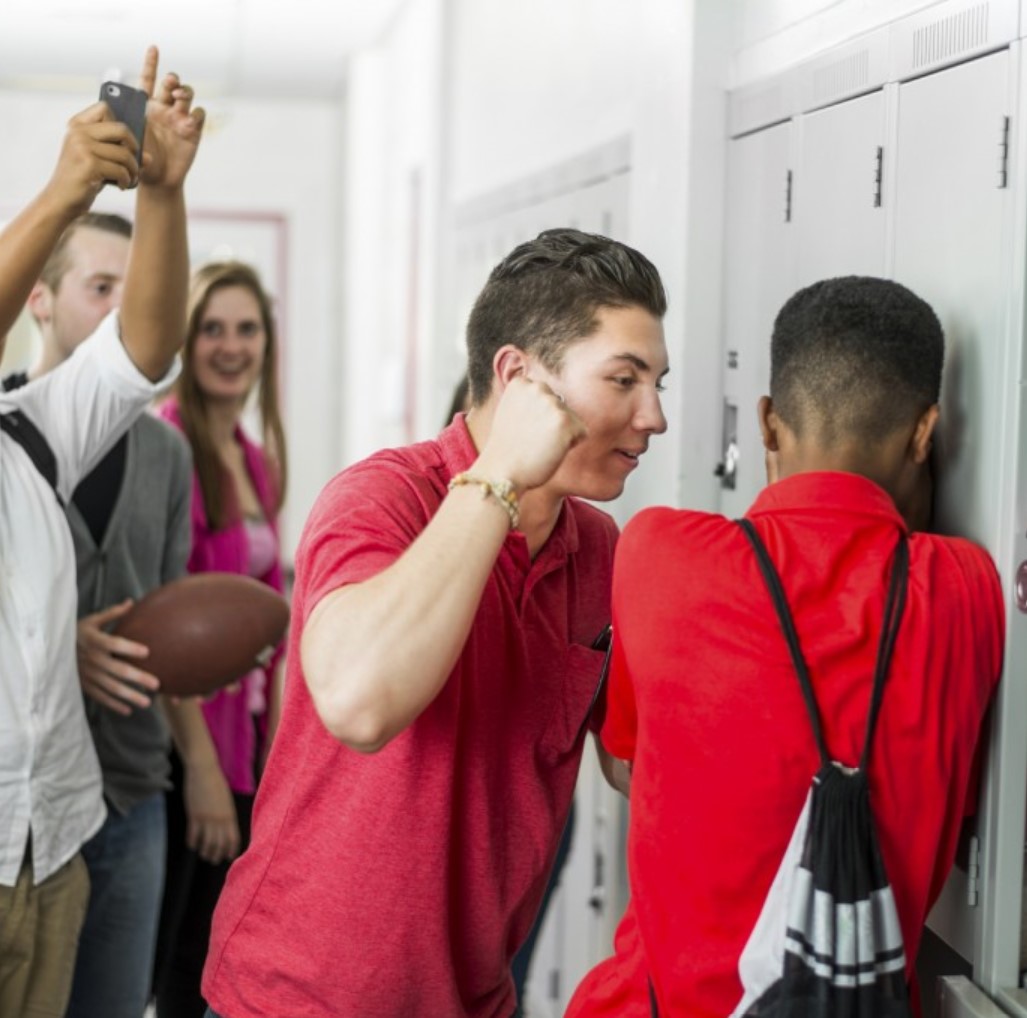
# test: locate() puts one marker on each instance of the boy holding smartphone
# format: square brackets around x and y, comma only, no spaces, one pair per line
[54,803]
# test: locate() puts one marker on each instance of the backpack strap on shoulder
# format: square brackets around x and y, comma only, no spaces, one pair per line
[893,610]
[32,440]
[777,595]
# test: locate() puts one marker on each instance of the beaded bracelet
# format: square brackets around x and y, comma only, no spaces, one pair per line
[502,491]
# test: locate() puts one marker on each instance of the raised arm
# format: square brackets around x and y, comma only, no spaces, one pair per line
[157,278]
[96,149]
[376,653]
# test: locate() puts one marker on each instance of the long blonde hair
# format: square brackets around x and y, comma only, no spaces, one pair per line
[219,498]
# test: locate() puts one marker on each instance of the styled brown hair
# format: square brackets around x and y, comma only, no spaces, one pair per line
[219,498]
[546,294]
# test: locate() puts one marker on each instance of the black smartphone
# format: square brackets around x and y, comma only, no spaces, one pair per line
[128,105]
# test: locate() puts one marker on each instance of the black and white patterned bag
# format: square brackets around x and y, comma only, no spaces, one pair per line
[828,943]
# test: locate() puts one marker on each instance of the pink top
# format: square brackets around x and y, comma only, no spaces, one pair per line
[232,722]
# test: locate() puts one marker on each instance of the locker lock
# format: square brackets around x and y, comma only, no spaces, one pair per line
[727,468]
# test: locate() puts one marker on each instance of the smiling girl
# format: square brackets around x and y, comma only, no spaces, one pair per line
[238,487]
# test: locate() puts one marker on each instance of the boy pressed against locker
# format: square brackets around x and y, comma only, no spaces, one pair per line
[703,699]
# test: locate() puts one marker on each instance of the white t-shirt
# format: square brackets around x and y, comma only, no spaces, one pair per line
[49,775]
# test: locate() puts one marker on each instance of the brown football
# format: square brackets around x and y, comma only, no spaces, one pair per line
[206,630]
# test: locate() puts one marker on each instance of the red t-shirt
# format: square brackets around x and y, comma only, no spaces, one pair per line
[703,698]
[402,883]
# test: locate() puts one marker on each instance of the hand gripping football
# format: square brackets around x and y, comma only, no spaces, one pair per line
[206,630]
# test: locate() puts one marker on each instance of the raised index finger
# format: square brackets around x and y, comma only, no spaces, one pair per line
[148,75]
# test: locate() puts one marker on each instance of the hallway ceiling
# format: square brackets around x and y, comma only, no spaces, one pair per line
[290,49]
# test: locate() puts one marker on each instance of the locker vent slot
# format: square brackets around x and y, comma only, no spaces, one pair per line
[847,75]
[951,36]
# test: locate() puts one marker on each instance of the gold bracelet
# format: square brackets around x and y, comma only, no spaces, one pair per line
[502,491]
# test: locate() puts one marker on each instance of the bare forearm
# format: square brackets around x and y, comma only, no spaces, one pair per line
[190,733]
[153,308]
[375,654]
[275,693]
[25,245]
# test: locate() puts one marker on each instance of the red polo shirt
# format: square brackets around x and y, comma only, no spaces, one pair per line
[703,698]
[402,883]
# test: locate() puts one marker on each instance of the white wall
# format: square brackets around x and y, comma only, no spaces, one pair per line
[389,227]
[269,159]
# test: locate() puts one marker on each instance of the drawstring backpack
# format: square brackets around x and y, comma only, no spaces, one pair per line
[828,943]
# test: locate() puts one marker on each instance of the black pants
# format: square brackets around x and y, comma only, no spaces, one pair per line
[191,891]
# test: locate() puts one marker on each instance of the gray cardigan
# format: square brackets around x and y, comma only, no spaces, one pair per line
[146,544]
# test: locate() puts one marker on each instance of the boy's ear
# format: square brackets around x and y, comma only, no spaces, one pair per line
[510,362]
[768,423]
[923,434]
[40,302]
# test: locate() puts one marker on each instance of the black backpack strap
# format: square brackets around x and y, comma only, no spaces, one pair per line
[893,609]
[32,440]
[777,595]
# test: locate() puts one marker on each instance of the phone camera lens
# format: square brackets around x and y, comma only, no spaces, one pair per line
[113,90]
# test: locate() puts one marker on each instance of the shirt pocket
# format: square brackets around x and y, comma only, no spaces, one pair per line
[578,692]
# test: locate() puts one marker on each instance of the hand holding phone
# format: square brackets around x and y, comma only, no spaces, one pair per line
[128,105]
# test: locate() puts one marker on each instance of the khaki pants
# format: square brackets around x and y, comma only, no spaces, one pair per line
[39,928]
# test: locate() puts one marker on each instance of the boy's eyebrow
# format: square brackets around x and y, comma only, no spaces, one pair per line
[637,361]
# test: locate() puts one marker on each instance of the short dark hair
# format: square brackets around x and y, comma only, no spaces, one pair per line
[544,295]
[854,357]
[57,264]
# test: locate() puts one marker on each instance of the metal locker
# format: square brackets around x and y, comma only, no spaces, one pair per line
[839,204]
[759,275]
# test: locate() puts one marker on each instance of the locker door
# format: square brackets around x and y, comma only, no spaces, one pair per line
[759,276]
[838,203]
[952,245]
[949,249]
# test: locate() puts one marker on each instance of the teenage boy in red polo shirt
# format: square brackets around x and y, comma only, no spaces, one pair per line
[440,671]
[704,701]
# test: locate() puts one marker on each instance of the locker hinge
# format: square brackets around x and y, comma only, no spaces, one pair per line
[878,177]
[597,899]
[788,196]
[973,871]
[1003,151]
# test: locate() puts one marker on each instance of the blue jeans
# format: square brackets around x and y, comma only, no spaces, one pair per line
[114,968]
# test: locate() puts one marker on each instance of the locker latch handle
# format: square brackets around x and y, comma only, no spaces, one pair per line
[727,468]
